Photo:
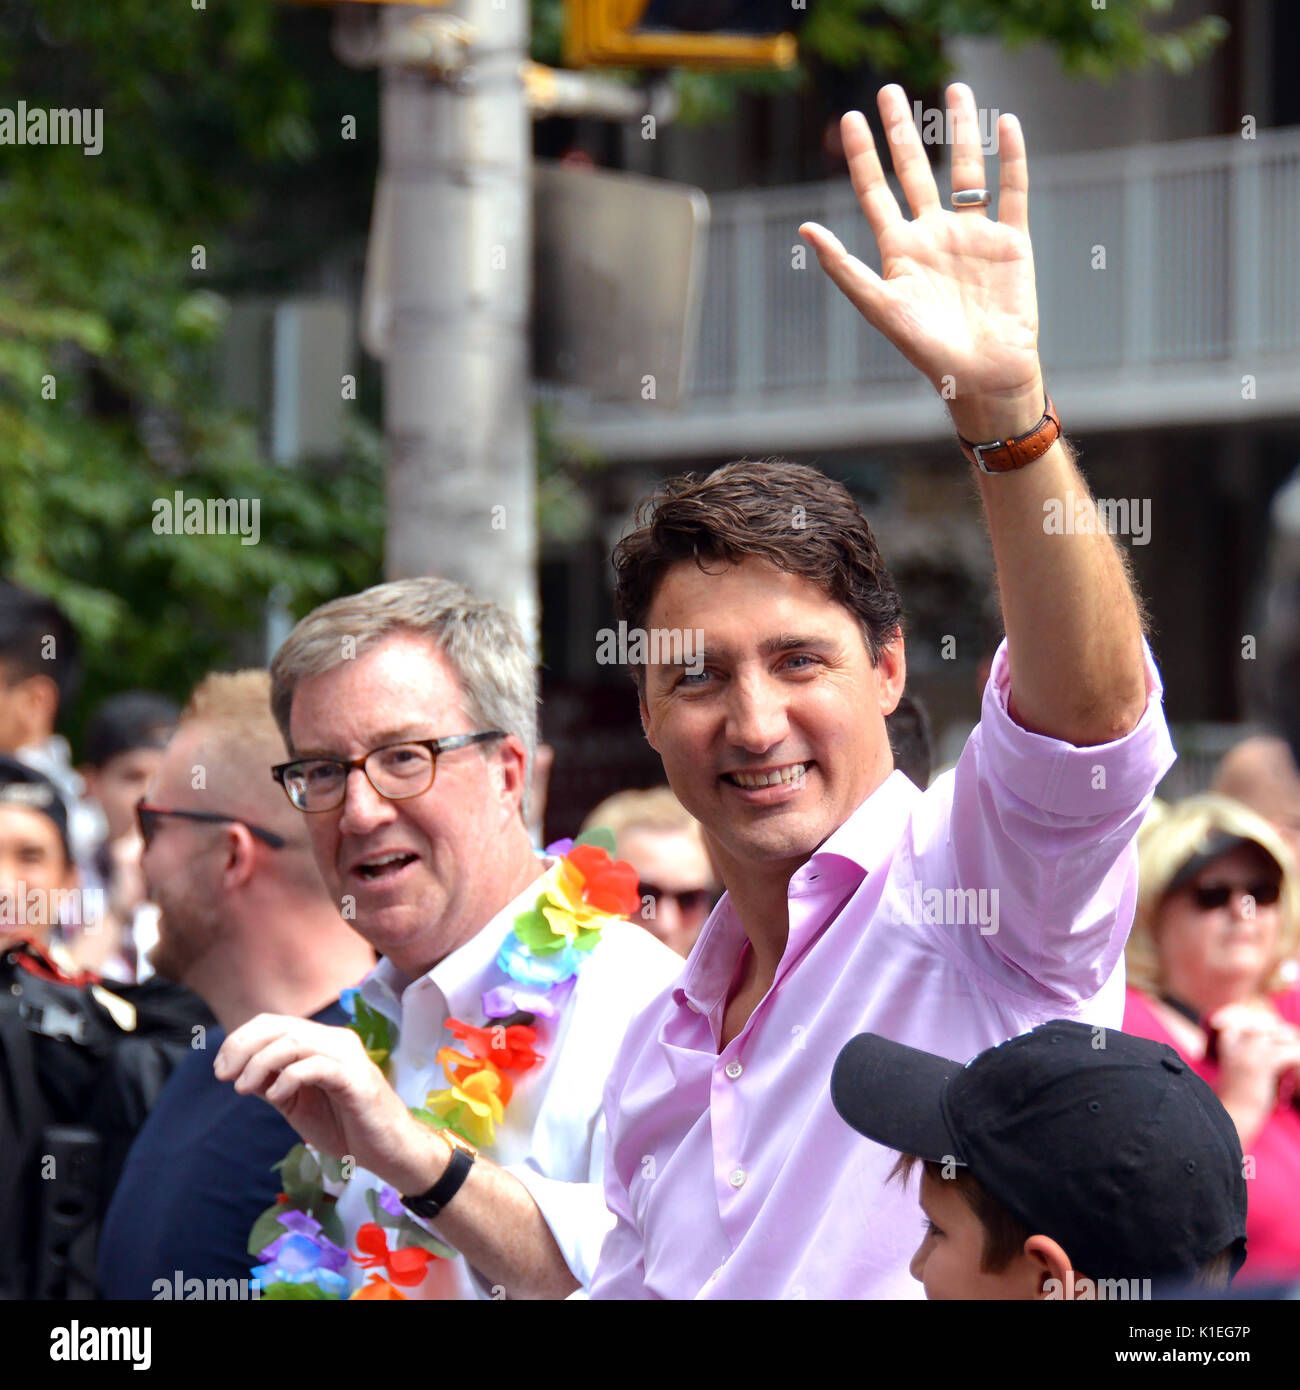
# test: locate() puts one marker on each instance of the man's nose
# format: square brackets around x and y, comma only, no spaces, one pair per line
[364,810]
[917,1267]
[756,714]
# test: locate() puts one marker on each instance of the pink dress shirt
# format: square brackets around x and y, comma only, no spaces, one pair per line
[729,1173]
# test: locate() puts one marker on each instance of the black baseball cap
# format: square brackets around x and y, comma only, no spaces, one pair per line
[1108,1143]
[23,786]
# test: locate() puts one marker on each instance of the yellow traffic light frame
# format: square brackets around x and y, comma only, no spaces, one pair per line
[598,33]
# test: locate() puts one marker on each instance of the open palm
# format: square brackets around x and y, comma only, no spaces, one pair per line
[956,290]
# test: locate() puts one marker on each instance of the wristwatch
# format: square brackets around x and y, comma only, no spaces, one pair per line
[429,1204]
[1005,455]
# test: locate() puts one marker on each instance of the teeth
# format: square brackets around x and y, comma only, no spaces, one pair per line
[385,862]
[750,780]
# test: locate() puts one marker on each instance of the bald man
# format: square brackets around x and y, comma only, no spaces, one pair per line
[246,923]
[1261,773]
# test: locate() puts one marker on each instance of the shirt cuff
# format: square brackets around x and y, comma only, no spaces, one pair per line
[1065,780]
[576,1214]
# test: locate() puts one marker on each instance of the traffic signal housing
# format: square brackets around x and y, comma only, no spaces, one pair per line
[716,35]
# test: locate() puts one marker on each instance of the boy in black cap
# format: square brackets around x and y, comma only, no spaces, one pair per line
[1072,1162]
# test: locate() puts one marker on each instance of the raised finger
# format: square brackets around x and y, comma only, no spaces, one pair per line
[907,152]
[877,202]
[967,156]
[247,1040]
[1013,175]
[315,1070]
[265,1065]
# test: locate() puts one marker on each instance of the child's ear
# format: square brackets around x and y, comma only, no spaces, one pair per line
[1050,1263]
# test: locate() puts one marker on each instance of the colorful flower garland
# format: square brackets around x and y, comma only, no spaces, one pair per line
[300,1240]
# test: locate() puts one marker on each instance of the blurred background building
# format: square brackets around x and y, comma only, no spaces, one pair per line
[1165,213]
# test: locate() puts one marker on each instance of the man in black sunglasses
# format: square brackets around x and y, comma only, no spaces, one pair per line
[245,922]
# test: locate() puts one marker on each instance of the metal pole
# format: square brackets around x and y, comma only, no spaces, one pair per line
[456,157]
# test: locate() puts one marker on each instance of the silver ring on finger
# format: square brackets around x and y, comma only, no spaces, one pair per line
[971,198]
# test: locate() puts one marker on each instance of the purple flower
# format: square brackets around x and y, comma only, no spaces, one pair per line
[302,1249]
[390,1201]
[504,1001]
[560,847]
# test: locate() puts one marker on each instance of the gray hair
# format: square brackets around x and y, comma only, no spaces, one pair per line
[481,641]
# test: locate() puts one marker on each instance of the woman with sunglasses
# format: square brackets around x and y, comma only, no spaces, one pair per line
[1210,962]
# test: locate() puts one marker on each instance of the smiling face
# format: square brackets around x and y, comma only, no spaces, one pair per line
[424,874]
[781,736]
[1211,955]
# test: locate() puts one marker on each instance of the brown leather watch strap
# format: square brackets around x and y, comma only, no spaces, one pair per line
[1005,455]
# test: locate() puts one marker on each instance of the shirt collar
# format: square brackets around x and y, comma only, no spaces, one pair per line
[852,852]
[460,977]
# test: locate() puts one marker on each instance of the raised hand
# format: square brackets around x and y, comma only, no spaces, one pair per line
[320,1079]
[956,290]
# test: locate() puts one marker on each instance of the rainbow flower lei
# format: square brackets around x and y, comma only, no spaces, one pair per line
[300,1240]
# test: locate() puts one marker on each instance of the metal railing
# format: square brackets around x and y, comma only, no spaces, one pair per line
[1149,256]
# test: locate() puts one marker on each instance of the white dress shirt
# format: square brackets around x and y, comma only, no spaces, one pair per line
[553,1135]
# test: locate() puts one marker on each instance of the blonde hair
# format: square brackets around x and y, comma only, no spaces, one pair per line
[240,742]
[654,809]
[1172,836]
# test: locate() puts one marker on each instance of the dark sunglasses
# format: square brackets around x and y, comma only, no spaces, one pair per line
[689,902]
[1209,896]
[147,817]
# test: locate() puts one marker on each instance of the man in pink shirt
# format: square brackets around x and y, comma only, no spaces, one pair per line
[948,920]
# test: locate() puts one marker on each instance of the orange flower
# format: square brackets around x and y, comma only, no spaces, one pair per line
[377,1287]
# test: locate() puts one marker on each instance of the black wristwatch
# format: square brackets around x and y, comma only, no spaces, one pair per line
[429,1204]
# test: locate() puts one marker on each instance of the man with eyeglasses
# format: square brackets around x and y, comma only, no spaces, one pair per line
[244,922]
[410,715]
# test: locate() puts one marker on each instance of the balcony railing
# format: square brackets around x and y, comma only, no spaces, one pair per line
[1183,255]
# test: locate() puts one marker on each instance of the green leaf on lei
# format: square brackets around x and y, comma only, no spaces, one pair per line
[600,835]
[535,932]
[266,1229]
[286,1293]
[300,1175]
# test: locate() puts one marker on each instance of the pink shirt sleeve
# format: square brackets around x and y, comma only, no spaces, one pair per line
[1048,828]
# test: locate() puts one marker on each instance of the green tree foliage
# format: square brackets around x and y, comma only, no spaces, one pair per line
[215,133]
[905,41]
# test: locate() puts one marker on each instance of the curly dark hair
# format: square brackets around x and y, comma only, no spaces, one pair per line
[788,514]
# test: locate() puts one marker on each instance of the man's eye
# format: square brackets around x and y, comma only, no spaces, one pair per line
[800,657]
[318,773]
[693,678]
[931,1229]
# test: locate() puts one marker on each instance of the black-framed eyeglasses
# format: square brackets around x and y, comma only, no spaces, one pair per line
[396,771]
[147,817]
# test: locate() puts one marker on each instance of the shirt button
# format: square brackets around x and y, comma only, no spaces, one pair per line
[737,1178]
[734,1069]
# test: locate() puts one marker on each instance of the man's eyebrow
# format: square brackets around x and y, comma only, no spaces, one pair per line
[407,733]
[770,646]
